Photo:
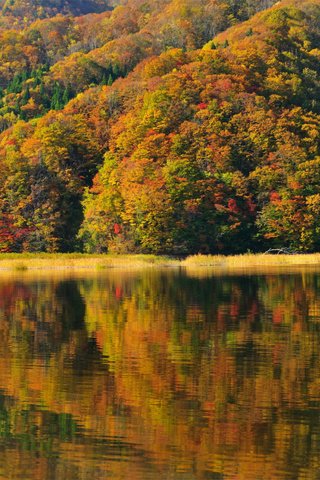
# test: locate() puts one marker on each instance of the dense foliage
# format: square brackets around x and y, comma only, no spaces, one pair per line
[17,12]
[159,134]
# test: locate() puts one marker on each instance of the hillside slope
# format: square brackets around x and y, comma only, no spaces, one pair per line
[212,149]
[17,11]
[51,60]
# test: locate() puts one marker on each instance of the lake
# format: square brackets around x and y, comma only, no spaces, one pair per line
[160,374]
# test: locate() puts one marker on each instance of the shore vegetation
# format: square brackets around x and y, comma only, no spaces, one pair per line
[91,262]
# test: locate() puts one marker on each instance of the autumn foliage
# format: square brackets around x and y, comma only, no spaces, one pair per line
[144,129]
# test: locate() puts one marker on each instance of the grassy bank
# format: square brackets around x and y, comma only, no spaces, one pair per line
[26,262]
[75,261]
[252,260]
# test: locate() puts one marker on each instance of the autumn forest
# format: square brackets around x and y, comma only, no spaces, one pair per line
[159,126]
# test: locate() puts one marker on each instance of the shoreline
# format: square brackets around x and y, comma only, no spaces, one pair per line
[91,262]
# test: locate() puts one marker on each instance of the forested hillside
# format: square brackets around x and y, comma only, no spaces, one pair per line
[163,126]
[24,11]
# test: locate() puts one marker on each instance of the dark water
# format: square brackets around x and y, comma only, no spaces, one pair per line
[160,375]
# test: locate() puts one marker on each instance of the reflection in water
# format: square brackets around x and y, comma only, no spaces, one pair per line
[159,375]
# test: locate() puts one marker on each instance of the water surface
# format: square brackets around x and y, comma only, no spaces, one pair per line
[160,375]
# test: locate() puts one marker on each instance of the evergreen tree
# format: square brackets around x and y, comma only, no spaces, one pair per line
[57,97]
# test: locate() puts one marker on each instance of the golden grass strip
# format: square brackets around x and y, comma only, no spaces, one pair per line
[46,261]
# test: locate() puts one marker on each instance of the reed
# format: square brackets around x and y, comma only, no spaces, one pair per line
[251,260]
[78,261]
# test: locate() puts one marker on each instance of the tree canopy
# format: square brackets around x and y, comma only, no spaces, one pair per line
[165,127]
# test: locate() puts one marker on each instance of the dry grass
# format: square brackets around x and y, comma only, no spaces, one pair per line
[80,262]
[42,261]
[251,260]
